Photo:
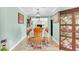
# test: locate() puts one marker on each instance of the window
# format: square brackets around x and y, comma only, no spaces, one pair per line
[42,20]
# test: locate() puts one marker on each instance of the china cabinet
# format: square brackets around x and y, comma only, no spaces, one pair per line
[69,29]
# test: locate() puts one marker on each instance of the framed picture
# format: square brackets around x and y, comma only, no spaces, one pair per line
[20,18]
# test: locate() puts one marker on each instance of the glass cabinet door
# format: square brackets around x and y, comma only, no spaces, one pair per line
[66,42]
[66,19]
[66,37]
[76,17]
[77,29]
[77,37]
[66,31]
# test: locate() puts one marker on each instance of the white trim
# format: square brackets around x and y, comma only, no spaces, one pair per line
[21,10]
[17,43]
[55,11]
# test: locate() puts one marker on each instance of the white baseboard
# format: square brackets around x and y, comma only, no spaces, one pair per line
[17,43]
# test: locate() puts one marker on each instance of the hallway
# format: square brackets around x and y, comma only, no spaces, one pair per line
[23,46]
[39,29]
[44,28]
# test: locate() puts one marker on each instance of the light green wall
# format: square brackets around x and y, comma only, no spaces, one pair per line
[10,27]
[49,25]
[56,32]
[2,22]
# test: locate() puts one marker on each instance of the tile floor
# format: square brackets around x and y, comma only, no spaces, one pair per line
[24,47]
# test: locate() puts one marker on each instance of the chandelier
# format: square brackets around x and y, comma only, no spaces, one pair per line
[37,13]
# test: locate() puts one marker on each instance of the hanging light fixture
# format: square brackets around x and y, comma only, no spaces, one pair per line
[38,14]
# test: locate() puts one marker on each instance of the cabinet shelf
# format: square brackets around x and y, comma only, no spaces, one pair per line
[68,36]
[69,24]
[66,24]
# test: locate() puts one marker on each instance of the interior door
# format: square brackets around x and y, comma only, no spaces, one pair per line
[51,27]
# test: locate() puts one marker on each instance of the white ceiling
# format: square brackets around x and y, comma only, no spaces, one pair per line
[44,11]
